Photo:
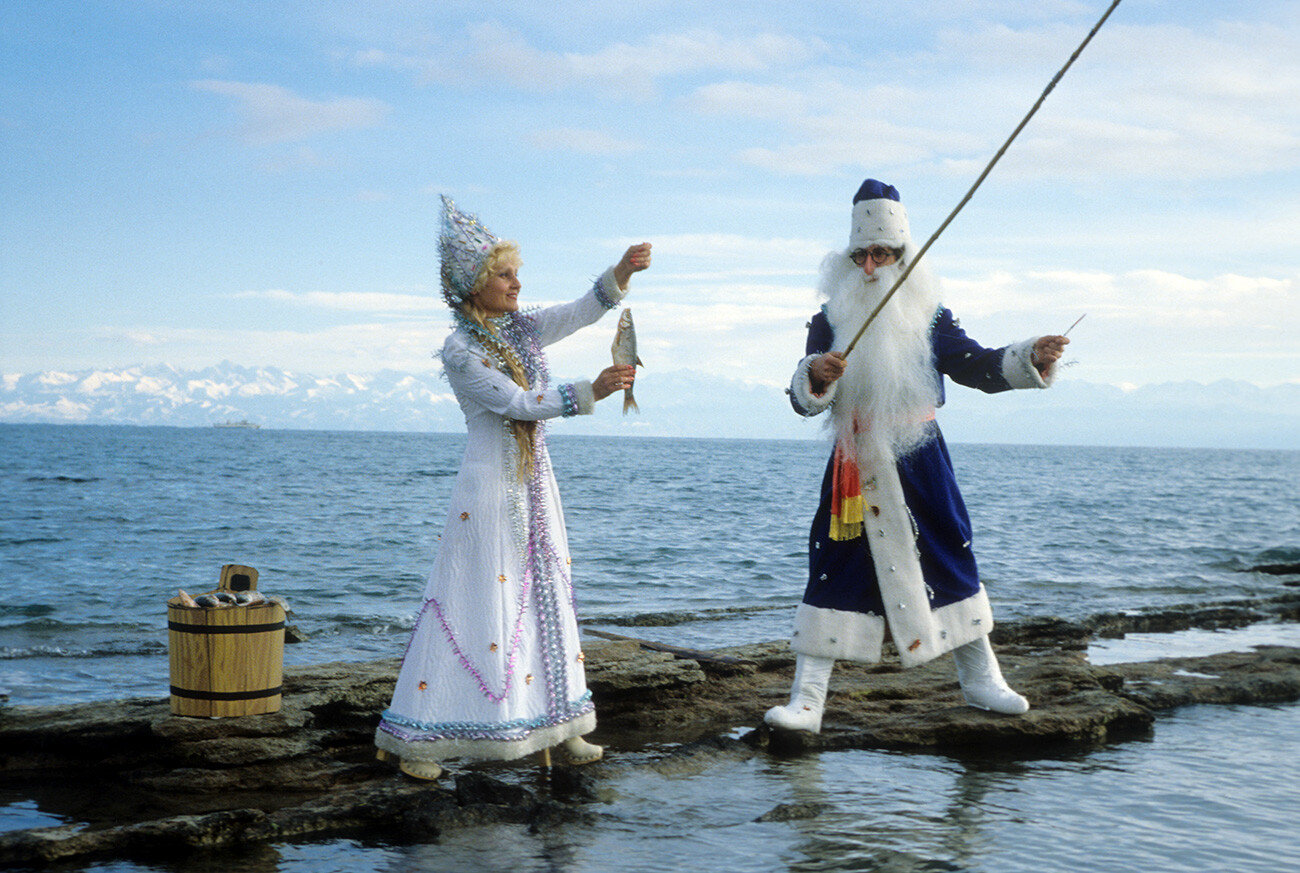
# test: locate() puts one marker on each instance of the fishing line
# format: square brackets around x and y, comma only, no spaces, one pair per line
[998,156]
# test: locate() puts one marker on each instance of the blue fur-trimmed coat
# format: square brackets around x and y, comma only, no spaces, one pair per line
[912,574]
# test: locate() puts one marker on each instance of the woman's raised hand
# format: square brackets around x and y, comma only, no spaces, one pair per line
[635,259]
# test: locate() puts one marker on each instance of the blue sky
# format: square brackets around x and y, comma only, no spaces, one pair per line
[191,182]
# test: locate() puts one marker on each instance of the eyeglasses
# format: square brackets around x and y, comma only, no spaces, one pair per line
[879,254]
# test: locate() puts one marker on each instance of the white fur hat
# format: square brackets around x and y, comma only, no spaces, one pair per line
[879,218]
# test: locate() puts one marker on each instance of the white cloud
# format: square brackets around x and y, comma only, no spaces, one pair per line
[740,253]
[748,100]
[133,336]
[1148,102]
[273,114]
[1171,102]
[1152,297]
[497,53]
[731,333]
[348,301]
[1172,148]
[299,158]
[582,142]
[1142,326]
[361,347]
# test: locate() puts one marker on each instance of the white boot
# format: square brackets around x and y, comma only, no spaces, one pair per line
[579,751]
[981,680]
[423,770]
[807,696]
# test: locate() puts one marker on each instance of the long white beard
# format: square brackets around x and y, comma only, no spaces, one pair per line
[890,386]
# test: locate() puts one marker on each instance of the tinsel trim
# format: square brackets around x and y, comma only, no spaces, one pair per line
[603,298]
[487,748]
[410,730]
[570,397]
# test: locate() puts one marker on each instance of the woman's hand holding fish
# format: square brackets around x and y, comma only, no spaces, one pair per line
[611,379]
[635,259]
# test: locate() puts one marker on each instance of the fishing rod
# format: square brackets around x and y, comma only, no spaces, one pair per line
[998,156]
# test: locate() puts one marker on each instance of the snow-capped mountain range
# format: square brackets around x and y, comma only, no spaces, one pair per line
[267,396]
[1225,414]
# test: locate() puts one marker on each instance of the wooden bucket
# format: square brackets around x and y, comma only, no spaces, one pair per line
[225,661]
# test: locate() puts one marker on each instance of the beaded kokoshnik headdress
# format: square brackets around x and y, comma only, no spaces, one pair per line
[463,246]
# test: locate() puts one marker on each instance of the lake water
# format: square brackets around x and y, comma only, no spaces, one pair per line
[100,525]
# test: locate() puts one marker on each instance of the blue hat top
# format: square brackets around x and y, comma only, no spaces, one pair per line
[873,189]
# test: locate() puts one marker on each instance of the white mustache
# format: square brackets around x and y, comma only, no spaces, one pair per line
[888,273]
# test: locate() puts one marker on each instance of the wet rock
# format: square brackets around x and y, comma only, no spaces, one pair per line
[550,813]
[247,750]
[1169,620]
[1228,614]
[1043,631]
[161,837]
[870,707]
[272,724]
[303,774]
[652,619]
[575,783]
[624,668]
[792,812]
[669,619]
[1291,568]
[699,756]
[476,788]
[1268,674]
[149,784]
[389,806]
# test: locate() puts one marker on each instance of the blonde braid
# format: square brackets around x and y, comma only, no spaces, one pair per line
[524,431]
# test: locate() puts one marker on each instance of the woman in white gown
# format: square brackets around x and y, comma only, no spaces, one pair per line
[493,669]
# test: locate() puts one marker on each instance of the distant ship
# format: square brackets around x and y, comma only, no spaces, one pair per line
[243,422]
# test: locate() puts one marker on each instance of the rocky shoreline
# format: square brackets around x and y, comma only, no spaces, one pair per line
[148,785]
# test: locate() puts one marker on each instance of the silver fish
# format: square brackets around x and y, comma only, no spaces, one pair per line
[280,601]
[624,351]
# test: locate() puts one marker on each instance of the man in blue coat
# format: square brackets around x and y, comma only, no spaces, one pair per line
[890,547]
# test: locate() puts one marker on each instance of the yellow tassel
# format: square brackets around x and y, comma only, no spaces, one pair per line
[848,524]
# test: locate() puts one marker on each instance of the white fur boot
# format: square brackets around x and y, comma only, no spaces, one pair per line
[424,770]
[981,679]
[579,751]
[807,696]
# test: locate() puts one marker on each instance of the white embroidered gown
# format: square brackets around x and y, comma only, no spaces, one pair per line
[493,669]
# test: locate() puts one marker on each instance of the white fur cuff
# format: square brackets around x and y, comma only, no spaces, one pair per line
[801,389]
[1019,370]
[584,396]
[837,634]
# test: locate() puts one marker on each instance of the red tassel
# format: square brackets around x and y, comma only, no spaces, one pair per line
[846,496]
